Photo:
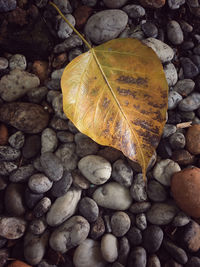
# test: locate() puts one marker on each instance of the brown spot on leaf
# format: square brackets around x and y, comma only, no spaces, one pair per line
[106,102]
[131,80]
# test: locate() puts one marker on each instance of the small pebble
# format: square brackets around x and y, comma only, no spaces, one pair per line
[149,29]
[176,252]
[71,42]
[140,207]
[49,140]
[122,173]
[190,70]
[134,11]
[153,261]
[31,146]
[137,189]
[140,221]
[3,63]
[39,183]
[109,247]
[36,95]
[37,227]
[12,227]
[85,145]
[156,191]
[181,219]
[184,87]
[17,61]
[61,187]
[170,74]
[75,52]
[7,167]
[31,198]
[97,228]
[3,134]
[65,137]
[64,30]
[120,223]
[168,130]
[138,257]
[134,236]
[177,141]
[174,32]
[16,140]
[42,207]
[183,157]
[173,99]
[152,238]
[66,153]
[8,153]
[88,208]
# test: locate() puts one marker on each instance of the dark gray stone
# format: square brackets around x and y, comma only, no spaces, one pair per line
[88,208]
[152,238]
[134,236]
[156,192]
[138,257]
[150,29]
[8,153]
[31,147]
[61,187]
[122,173]
[190,70]
[176,252]
[22,173]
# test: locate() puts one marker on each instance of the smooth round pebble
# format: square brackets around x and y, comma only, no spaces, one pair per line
[39,183]
[140,207]
[181,219]
[85,145]
[64,30]
[190,103]
[149,29]
[134,11]
[109,247]
[176,252]
[156,191]
[3,63]
[67,155]
[37,227]
[183,157]
[134,236]
[22,173]
[153,261]
[170,74]
[174,32]
[88,208]
[114,4]
[184,87]
[190,70]
[42,207]
[120,223]
[177,141]
[173,99]
[152,238]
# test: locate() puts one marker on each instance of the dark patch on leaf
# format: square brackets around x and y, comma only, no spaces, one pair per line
[130,80]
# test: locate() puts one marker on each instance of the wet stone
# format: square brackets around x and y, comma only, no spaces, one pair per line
[61,187]
[31,146]
[140,207]
[152,238]
[8,153]
[137,189]
[16,140]
[88,209]
[42,207]
[156,191]
[39,183]
[120,223]
[134,236]
[64,5]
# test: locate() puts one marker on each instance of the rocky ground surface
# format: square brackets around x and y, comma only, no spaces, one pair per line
[67,201]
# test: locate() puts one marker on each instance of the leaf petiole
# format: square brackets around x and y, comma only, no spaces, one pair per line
[66,20]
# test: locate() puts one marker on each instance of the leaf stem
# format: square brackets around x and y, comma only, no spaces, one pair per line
[66,20]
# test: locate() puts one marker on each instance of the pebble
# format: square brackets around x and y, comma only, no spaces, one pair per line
[14,200]
[134,11]
[156,191]
[181,219]
[168,130]
[3,183]
[153,261]
[193,262]
[16,140]
[70,234]
[164,149]
[185,26]
[190,103]
[52,166]
[41,3]
[149,29]
[161,213]
[193,139]
[113,196]
[16,84]
[70,43]
[89,2]
[176,252]
[197,49]
[42,207]
[174,32]
[95,168]
[196,60]
[97,228]
[140,207]
[108,24]
[88,254]
[63,207]
[109,247]
[66,153]
[65,137]
[110,153]
[177,141]
[115,4]
[37,226]
[72,127]
[190,70]
[64,30]
[3,63]
[17,61]
[187,115]
[3,134]
[39,183]
[75,52]
[123,251]
[36,95]
[120,223]
[7,167]
[58,105]
[12,227]
[170,74]
[173,99]
[85,145]
[152,238]
[8,153]
[61,187]
[175,4]
[163,171]
[88,208]
[32,198]
[41,69]
[80,181]
[50,96]
[134,236]
[163,51]
[189,236]
[81,15]
[26,117]
[138,189]
[122,173]
[8,5]
[140,221]
[31,146]
[59,124]
[138,257]
[35,247]
[185,189]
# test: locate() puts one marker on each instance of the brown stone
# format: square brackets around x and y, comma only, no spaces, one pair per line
[152,3]
[3,135]
[59,61]
[182,157]
[40,68]
[193,139]
[81,15]
[26,117]
[97,228]
[185,187]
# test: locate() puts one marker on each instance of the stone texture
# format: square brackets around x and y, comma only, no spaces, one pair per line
[12,227]
[193,139]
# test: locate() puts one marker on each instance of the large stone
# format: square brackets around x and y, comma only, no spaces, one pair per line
[193,139]
[12,227]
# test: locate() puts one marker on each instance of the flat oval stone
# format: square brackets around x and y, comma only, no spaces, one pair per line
[174,32]
[64,207]
[190,103]
[152,238]
[106,25]
[109,247]
[95,168]
[120,223]
[88,208]
[12,227]
[39,183]
[113,196]
[70,234]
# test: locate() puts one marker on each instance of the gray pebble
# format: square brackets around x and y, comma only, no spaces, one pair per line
[53,85]
[52,166]
[64,5]
[134,11]
[173,99]
[175,4]
[105,25]
[141,221]
[190,103]
[7,167]
[107,223]
[37,164]
[149,29]
[3,63]
[120,223]
[31,198]
[64,30]
[168,130]
[193,262]
[49,140]
[89,2]
[152,238]
[97,228]
[8,153]
[36,95]
[17,61]
[37,226]
[59,124]
[12,227]
[57,103]
[137,258]
[140,207]
[170,74]
[177,141]
[190,70]
[138,190]
[184,87]
[31,146]
[134,236]
[156,192]
[122,173]
[109,153]
[176,252]
[124,249]
[185,26]
[73,53]
[70,43]
[65,137]
[41,4]
[61,187]
[109,247]
[16,140]
[39,183]
[88,208]
[114,4]
[70,234]
[181,219]
[72,127]
[161,213]
[174,32]
[197,49]
[187,115]
[42,207]
[67,155]
[85,145]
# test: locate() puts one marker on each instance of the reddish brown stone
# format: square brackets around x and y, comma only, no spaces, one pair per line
[193,139]
[152,3]
[3,135]
[59,61]
[185,187]
[182,157]
[81,15]
[40,68]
